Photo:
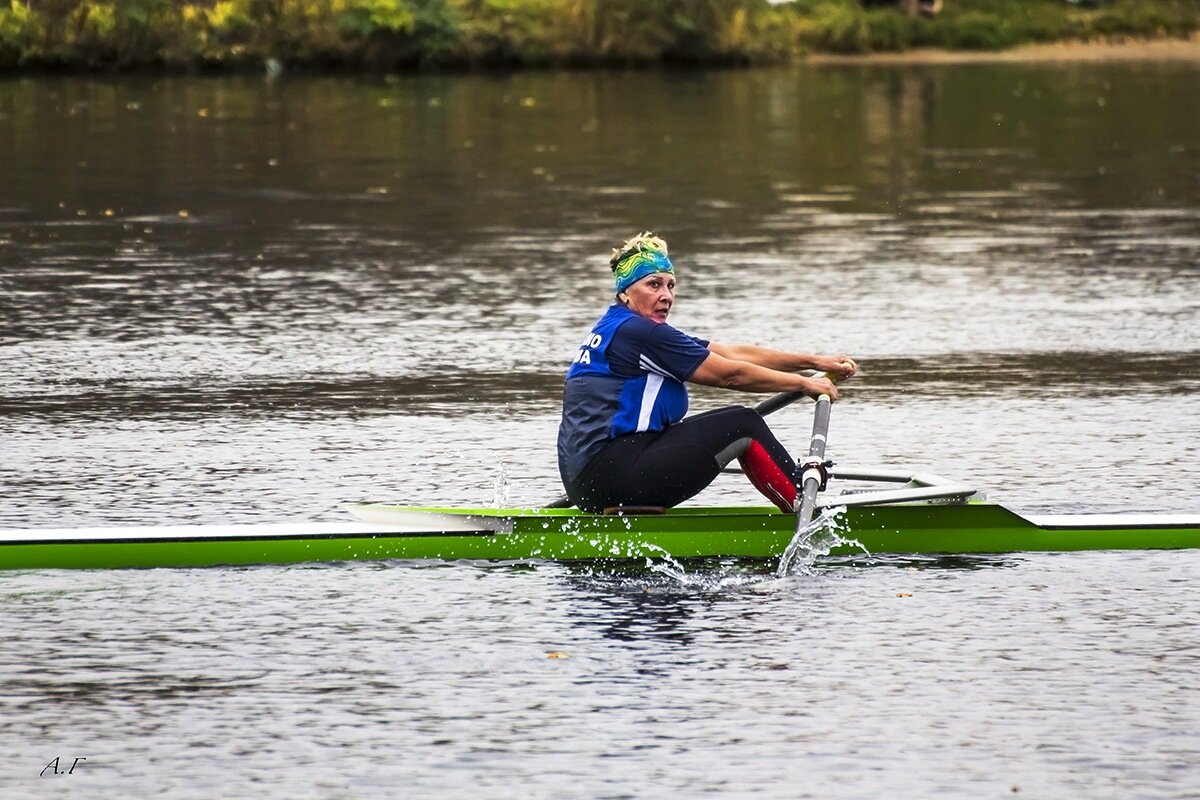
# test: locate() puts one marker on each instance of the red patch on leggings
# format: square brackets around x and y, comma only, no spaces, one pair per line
[768,478]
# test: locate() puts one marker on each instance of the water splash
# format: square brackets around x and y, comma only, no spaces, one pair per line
[816,539]
[668,565]
[706,581]
[501,488]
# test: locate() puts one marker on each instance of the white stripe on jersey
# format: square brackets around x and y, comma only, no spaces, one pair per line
[650,366]
[649,395]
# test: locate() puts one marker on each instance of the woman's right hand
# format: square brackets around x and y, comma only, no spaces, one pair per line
[817,386]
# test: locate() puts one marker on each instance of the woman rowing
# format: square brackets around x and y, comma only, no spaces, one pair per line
[624,441]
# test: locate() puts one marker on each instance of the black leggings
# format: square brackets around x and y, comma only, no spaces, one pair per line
[665,468]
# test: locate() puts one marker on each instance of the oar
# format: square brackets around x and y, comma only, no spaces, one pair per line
[768,406]
[813,472]
[776,402]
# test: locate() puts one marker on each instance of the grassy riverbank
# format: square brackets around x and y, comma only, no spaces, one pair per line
[405,34]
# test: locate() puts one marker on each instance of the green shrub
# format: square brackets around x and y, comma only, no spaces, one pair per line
[974,31]
[1042,22]
[435,33]
[364,18]
[15,34]
[14,24]
[1138,20]
[230,20]
[889,31]
[510,31]
[843,30]
[391,34]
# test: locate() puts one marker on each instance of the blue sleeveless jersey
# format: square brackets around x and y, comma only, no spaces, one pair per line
[627,377]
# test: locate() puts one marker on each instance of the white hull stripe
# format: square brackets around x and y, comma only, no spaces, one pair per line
[649,395]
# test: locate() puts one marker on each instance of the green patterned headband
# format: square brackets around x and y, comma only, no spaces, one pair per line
[642,257]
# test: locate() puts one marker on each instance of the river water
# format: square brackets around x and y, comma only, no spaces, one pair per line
[228,299]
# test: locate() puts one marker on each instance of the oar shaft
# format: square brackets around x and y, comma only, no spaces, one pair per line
[812,474]
[776,402]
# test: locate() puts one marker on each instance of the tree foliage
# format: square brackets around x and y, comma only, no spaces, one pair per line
[399,34]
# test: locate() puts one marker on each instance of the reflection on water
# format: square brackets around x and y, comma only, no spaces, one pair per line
[229,298]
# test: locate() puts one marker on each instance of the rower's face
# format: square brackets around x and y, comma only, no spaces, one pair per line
[653,296]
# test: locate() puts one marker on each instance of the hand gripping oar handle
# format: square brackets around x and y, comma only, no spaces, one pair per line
[785,399]
[813,472]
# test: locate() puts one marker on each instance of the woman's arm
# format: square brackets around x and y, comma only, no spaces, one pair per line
[730,373]
[840,365]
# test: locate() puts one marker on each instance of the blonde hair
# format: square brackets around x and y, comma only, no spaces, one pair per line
[643,242]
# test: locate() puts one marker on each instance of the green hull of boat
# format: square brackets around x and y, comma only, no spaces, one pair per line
[570,535]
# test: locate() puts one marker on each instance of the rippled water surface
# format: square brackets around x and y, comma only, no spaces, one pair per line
[965,678]
[238,300]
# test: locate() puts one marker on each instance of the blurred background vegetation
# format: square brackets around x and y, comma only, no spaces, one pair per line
[407,34]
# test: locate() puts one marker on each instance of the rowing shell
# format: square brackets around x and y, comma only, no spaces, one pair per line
[401,532]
